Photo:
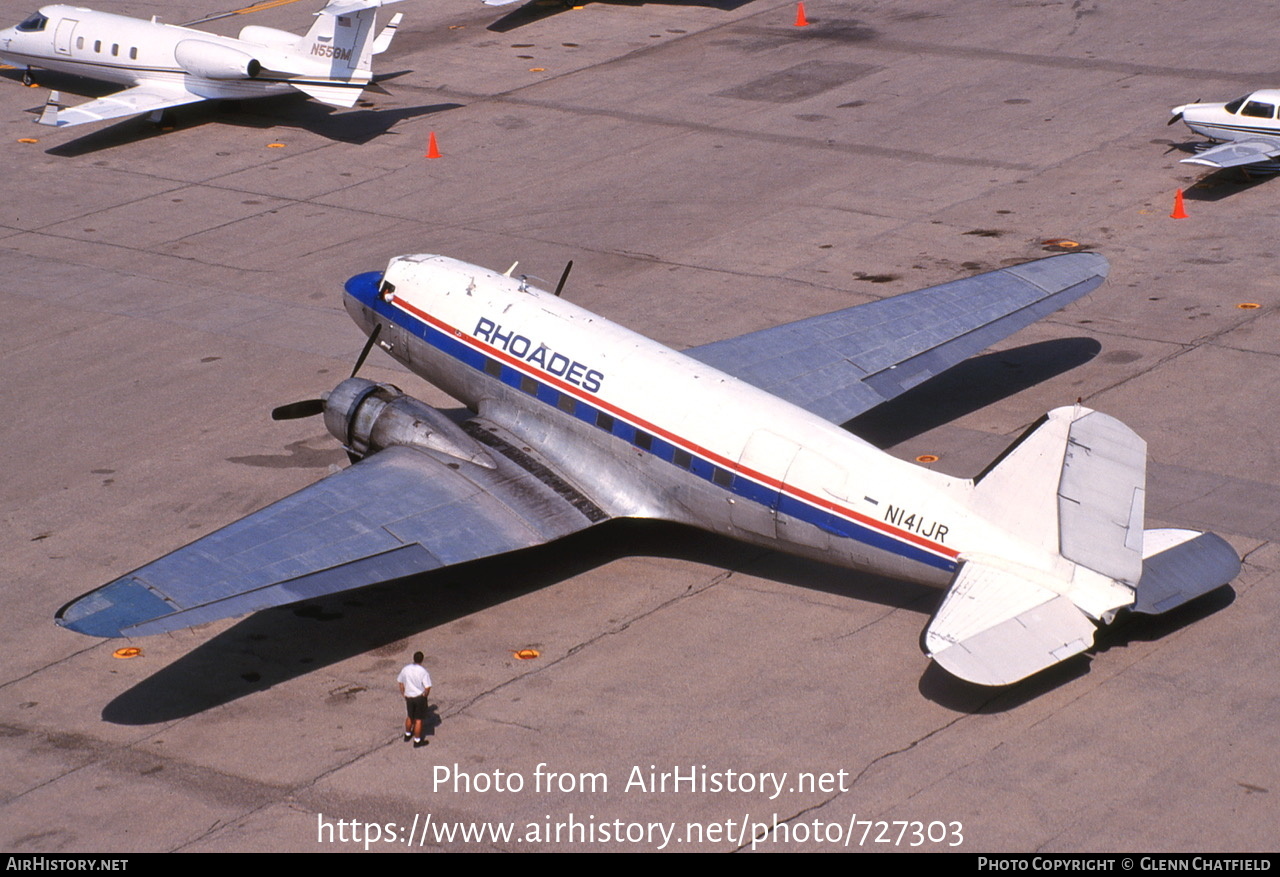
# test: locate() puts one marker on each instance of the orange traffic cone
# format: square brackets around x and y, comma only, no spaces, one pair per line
[1178,212]
[433,151]
[801,21]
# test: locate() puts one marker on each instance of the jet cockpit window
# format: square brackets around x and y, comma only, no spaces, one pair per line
[1258,110]
[35,22]
[1236,104]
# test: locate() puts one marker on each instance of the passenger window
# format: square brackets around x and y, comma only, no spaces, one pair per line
[115,49]
[683,459]
[605,421]
[133,54]
[97,45]
[567,403]
[79,42]
[493,368]
[1259,110]
[644,440]
[529,385]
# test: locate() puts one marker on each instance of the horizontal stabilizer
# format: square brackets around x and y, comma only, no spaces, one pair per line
[1179,566]
[335,94]
[996,627]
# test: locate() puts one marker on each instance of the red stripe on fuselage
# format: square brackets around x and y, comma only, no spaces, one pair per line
[719,460]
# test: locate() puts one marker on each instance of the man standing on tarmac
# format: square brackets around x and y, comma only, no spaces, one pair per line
[415,685]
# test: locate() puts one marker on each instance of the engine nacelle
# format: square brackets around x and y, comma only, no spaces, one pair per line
[269,36]
[214,61]
[367,416]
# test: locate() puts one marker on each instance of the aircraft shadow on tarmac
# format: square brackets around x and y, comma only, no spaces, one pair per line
[1223,182]
[276,645]
[970,386]
[537,10]
[356,126]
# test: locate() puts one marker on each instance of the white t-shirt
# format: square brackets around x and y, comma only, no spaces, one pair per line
[415,679]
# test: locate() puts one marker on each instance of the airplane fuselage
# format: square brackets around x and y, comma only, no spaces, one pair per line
[702,446]
[1249,116]
[132,52]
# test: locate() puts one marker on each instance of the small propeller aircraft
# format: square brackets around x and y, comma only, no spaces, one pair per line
[578,420]
[1248,125]
[166,65]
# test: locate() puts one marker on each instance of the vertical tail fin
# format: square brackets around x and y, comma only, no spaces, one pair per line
[339,50]
[1070,492]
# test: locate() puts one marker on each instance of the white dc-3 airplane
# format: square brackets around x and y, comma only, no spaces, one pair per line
[1247,125]
[578,420]
[165,65]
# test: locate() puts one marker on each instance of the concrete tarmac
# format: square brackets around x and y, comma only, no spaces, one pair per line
[711,170]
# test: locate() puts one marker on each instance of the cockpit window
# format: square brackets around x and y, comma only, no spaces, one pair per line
[35,22]
[1236,104]
[1258,110]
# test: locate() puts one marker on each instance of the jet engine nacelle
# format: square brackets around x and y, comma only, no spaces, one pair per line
[367,416]
[214,61]
[268,36]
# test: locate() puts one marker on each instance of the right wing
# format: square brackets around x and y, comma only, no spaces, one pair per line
[841,364]
[145,98]
[1237,153]
[395,513]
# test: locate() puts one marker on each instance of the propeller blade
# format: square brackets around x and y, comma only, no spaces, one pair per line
[1177,117]
[563,278]
[368,345]
[297,410]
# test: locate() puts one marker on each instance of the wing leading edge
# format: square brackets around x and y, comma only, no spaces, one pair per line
[398,512]
[1238,153]
[145,98]
[841,364]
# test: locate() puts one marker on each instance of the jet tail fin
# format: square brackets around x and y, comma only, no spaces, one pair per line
[1073,489]
[337,52]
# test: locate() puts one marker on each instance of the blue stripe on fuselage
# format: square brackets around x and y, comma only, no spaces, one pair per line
[364,288]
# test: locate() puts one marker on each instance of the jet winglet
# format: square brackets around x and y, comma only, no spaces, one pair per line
[49,115]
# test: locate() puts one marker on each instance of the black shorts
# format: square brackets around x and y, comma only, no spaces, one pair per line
[416,707]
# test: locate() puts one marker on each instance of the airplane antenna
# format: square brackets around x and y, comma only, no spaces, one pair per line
[507,273]
[563,278]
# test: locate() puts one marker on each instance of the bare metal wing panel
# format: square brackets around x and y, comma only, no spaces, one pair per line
[841,364]
[399,512]
[1238,153]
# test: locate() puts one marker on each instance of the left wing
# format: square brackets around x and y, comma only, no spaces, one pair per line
[841,364]
[1238,152]
[400,511]
[145,98]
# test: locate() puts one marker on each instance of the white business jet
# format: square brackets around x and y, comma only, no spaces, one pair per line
[1248,126]
[165,65]
[578,420]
